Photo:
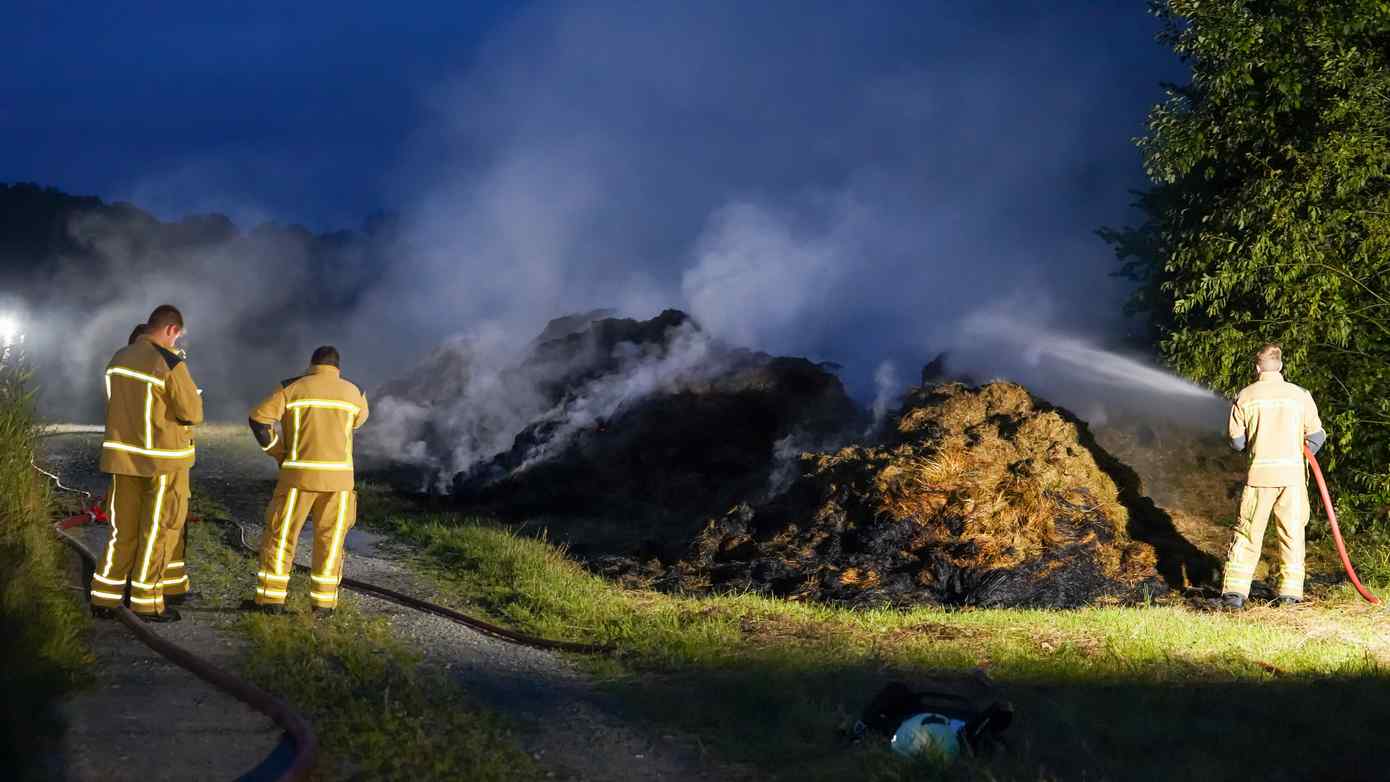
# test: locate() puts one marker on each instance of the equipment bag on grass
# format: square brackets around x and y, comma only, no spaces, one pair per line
[901,713]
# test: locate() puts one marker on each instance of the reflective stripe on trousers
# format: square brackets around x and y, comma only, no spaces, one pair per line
[142,512]
[1289,505]
[333,514]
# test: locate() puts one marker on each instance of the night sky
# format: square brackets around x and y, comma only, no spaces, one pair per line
[308,112]
[861,183]
[299,109]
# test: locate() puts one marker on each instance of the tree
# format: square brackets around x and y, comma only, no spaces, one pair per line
[1269,218]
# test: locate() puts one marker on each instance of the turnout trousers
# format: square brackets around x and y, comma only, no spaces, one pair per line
[334,513]
[146,514]
[1289,504]
[175,581]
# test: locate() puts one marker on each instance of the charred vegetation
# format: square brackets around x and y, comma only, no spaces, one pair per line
[741,471]
[978,496]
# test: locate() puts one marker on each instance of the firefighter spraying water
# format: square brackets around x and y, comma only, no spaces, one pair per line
[1277,423]
[1275,420]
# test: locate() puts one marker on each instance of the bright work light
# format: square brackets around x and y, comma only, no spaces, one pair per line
[9,330]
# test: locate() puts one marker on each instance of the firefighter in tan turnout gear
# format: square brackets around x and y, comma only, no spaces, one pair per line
[152,404]
[316,415]
[175,583]
[1273,419]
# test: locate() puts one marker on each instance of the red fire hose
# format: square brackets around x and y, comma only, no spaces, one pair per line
[1336,532]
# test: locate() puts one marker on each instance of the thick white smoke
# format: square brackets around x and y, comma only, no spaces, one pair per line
[796,189]
[456,412]
[253,304]
[889,386]
[756,277]
[471,399]
[686,360]
[844,183]
[800,199]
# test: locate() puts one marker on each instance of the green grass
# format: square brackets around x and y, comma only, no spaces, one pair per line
[43,649]
[378,712]
[1102,693]
[1370,555]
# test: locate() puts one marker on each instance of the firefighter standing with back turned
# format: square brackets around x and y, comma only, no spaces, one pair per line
[1273,419]
[175,582]
[152,403]
[317,414]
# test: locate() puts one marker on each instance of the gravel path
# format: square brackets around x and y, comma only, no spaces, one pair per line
[574,729]
[145,718]
[567,723]
[148,719]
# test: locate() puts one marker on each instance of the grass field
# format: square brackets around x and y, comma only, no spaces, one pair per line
[1105,693]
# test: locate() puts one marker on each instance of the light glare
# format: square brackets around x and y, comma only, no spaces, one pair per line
[9,329]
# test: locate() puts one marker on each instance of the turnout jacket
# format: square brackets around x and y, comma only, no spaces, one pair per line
[317,414]
[1274,417]
[151,405]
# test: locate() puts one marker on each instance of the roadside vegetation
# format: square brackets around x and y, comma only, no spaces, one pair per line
[41,627]
[1102,693]
[1268,216]
[378,713]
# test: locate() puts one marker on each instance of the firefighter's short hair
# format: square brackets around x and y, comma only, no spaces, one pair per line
[1270,358]
[163,316]
[326,354]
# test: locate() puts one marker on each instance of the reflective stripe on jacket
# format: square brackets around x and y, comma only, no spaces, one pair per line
[317,413]
[151,403]
[1274,417]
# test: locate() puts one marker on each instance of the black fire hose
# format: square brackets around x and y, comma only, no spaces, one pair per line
[305,742]
[486,628]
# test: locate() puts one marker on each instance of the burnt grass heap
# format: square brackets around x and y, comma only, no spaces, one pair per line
[976,496]
[664,460]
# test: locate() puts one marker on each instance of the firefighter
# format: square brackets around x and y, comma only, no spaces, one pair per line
[175,582]
[1273,419]
[152,403]
[307,425]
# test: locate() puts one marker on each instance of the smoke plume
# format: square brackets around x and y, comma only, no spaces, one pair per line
[844,183]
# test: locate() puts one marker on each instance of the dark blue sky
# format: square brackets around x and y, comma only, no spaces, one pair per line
[298,108]
[311,111]
[857,182]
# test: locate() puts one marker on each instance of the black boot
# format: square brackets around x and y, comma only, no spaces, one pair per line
[1232,601]
[322,613]
[1285,601]
[167,616]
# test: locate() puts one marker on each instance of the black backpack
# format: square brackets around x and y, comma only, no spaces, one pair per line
[896,702]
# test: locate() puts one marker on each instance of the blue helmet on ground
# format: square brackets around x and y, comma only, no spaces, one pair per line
[931,734]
